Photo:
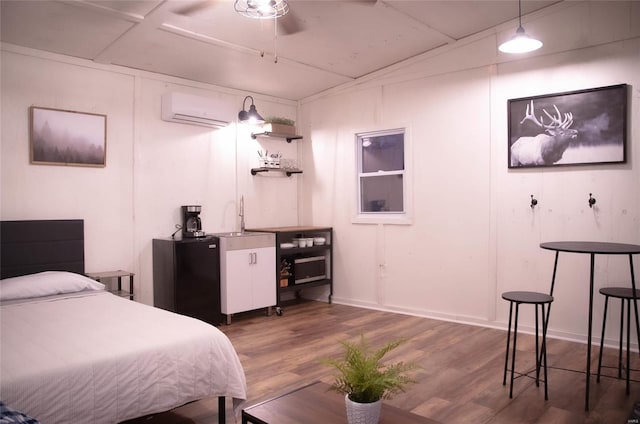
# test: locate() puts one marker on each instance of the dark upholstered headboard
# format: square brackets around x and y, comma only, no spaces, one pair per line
[34,246]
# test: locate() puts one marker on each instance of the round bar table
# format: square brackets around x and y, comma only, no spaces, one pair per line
[593,248]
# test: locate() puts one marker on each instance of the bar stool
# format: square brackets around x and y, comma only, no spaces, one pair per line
[536,299]
[625,295]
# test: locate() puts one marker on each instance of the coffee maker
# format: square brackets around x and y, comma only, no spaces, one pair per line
[191,224]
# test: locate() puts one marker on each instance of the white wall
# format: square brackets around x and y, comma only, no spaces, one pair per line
[473,233]
[153,166]
[103,197]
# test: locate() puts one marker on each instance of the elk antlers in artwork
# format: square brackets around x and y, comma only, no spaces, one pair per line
[556,122]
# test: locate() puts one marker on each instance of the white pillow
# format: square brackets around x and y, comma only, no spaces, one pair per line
[45,284]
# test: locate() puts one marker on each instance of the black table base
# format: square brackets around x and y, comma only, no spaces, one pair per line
[592,249]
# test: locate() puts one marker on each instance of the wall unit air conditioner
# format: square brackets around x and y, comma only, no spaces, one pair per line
[196,110]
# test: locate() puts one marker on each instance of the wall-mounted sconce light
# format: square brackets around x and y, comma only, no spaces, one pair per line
[534,202]
[592,200]
[252,116]
[520,42]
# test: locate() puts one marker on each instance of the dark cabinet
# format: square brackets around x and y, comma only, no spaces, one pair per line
[186,277]
[299,268]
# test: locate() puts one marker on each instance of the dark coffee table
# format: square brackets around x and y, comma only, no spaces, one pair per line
[314,403]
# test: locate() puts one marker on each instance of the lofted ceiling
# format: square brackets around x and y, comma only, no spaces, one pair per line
[318,45]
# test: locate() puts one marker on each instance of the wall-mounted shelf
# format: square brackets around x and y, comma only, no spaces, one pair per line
[288,137]
[288,171]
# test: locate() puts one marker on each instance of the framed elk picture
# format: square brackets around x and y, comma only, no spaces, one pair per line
[582,127]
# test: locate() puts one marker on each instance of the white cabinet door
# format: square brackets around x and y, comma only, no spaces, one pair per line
[248,279]
[237,281]
[263,273]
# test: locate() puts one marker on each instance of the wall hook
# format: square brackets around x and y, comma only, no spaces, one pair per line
[592,200]
[534,202]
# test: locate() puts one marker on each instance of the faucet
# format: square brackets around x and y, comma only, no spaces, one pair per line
[241,214]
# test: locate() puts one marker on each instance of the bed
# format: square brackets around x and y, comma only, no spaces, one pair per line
[72,352]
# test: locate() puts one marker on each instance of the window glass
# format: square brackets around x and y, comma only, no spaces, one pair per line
[382,194]
[381,183]
[383,153]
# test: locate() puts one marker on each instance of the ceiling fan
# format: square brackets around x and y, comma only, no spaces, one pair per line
[287,22]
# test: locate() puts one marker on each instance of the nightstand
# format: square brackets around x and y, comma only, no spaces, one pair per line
[108,275]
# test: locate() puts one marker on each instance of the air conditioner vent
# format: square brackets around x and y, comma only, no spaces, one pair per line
[196,110]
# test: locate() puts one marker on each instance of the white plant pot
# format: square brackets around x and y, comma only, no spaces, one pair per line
[362,413]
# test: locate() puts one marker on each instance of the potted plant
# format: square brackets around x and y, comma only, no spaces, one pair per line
[279,125]
[365,380]
[285,268]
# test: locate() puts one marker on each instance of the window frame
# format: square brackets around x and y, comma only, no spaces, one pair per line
[384,217]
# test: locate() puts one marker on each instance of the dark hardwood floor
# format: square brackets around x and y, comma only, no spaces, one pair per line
[460,375]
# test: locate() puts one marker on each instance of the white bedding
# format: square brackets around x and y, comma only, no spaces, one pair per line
[93,357]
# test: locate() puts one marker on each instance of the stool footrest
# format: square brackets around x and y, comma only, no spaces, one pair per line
[518,374]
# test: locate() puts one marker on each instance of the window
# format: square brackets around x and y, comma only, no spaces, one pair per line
[381,175]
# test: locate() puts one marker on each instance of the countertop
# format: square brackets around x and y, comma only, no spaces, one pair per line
[289,229]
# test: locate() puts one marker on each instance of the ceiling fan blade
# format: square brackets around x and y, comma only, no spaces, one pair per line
[289,24]
[365,2]
[194,7]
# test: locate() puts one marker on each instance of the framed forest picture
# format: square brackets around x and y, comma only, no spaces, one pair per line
[64,137]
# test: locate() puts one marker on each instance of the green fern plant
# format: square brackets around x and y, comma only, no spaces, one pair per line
[363,377]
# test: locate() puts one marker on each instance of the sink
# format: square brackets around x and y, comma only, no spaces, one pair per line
[237,240]
[237,234]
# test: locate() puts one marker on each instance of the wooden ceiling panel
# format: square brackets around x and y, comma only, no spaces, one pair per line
[207,41]
[58,27]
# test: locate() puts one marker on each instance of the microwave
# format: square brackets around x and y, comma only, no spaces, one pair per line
[307,269]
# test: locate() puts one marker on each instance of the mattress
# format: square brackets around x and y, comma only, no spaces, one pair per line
[93,357]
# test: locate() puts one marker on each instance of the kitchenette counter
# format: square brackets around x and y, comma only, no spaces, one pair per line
[300,267]
[293,229]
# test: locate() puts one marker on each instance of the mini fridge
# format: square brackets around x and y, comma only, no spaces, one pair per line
[186,277]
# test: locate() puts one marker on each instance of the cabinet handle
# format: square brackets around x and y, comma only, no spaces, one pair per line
[255,258]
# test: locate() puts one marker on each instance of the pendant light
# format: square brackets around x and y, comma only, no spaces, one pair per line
[520,42]
[252,116]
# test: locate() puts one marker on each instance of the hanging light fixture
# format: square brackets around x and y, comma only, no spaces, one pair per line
[252,116]
[262,9]
[520,42]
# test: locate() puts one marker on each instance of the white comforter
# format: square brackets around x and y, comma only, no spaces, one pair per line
[98,358]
